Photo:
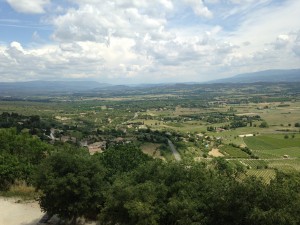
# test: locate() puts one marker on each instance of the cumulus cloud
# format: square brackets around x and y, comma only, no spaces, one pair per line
[17,46]
[281,41]
[296,47]
[31,6]
[199,8]
[146,41]
[71,60]
[98,22]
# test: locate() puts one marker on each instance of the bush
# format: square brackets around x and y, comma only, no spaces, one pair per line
[264,124]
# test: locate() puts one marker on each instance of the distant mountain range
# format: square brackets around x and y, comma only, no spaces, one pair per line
[65,87]
[48,86]
[263,76]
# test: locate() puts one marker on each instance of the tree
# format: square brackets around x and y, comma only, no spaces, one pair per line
[264,124]
[9,170]
[19,156]
[122,158]
[72,183]
[223,166]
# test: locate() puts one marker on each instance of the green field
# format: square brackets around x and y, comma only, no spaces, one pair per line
[279,152]
[271,142]
[233,152]
[285,164]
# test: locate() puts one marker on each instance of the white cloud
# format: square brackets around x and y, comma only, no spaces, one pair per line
[143,41]
[296,47]
[260,26]
[242,1]
[199,8]
[17,46]
[98,22]
[29,6]
[282,41]
[71,60]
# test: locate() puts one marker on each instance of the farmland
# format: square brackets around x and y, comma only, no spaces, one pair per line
[273,142]
[122,140]
[249,123]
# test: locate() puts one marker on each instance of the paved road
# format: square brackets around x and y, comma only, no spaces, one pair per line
[175,153]
[135,115]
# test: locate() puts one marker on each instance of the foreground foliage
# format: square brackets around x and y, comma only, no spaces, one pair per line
[19,156]
[125,187]
[72,183]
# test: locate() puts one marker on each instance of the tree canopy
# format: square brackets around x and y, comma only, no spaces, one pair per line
[72,183]
[19,156]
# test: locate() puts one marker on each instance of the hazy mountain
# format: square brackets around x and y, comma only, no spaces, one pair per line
[45,87]
[263,76]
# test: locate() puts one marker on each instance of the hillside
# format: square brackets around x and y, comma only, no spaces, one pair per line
[263,76]
[40,87]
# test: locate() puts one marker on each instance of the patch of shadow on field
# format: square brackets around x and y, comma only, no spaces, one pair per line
[34,222]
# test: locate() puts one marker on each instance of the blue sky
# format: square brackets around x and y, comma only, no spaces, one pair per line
[136,41]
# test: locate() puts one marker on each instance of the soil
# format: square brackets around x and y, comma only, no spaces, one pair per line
[15,212]
[215,152]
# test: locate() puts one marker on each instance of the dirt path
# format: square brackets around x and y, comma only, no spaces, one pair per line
[14,213]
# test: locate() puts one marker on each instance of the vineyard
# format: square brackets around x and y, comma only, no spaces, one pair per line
[285,164]
[275,152]
[265,174]
[265,154]
[233,152]
[255,164]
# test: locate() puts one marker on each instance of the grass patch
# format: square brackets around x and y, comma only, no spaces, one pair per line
[174,124]
[233,152]
[285,164]
[22,191]
[271,142]
[152,149]
[291,152]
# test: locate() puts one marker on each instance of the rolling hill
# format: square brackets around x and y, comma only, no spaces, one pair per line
[263,76]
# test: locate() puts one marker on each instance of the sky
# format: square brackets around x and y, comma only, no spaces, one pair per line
[142,41]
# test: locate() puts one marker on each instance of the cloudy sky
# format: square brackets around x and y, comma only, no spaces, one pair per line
[143,41]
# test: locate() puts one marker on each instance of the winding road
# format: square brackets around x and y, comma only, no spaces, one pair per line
[174,151]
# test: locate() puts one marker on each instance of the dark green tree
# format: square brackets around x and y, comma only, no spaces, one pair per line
[122,158]
[72,183]
[264,124]
[10,170]
[19,156]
